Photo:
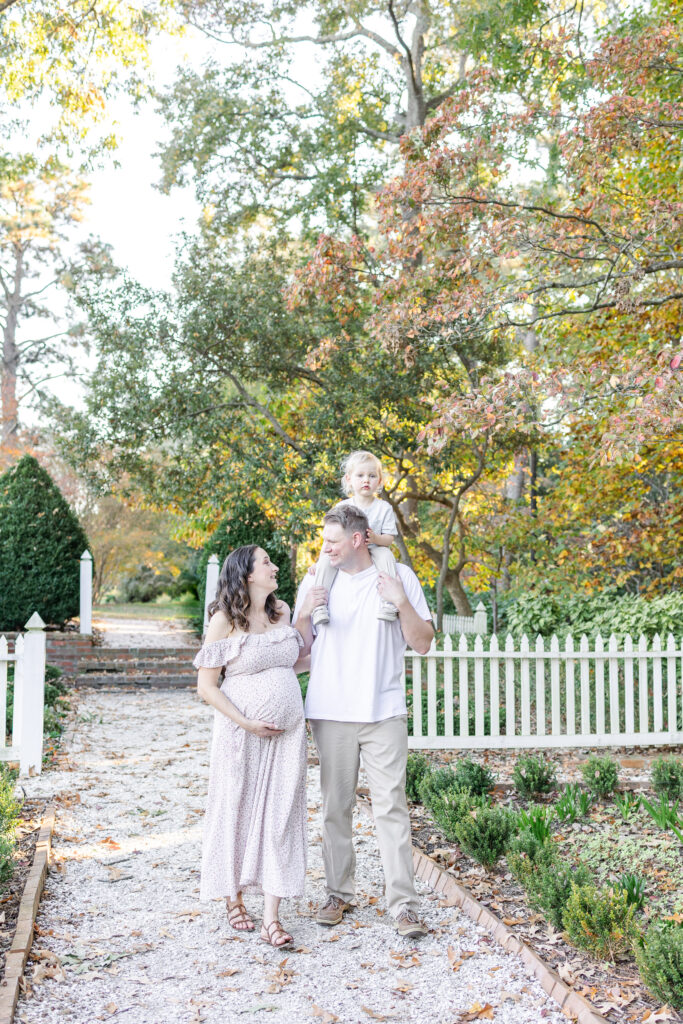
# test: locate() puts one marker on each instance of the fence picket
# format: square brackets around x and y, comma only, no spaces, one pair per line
[540,687]
[431,691]
[613,672]
[671,717]
[18,689]
[3,690]
[658,709]
[629,701]
[526,696]
[463,695]
[569,686]
[495,686]
[509,686]
[448,686]
[599,686]
[478,687]
[585,687]
[555,685]
[643,716]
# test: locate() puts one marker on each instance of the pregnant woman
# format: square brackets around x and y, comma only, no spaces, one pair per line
[255,825]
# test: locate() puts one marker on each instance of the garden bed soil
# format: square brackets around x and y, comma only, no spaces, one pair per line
[615,990]
[27,833]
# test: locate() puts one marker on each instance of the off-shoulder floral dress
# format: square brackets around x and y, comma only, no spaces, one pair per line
[255,824]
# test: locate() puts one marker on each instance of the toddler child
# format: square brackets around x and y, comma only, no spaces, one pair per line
[361,480]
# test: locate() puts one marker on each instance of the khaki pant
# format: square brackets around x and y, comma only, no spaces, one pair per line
[384,749]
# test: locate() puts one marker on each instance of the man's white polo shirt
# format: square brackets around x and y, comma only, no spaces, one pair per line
[357,659]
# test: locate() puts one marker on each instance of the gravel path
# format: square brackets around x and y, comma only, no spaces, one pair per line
[125,938]
[119,632]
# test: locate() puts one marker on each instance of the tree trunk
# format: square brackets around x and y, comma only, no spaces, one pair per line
[10,352]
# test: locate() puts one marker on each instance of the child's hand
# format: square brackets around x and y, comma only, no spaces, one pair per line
[372,538]
[312,569]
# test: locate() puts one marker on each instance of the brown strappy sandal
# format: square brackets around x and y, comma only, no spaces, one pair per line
[271,936]
[238,918]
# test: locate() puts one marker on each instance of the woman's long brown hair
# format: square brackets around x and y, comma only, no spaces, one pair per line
[232,592]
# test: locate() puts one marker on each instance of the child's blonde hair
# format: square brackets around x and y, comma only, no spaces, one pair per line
[357,459]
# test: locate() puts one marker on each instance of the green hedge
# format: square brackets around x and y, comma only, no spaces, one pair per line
[603,613]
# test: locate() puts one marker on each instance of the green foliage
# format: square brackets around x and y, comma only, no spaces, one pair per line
[662,812]
[550,886]
[9,814]
[574,803]
[473,776]
[485,835]
[601,775]
[600,921]
[604,613]
[634,887]
[417,767]
[659,956]
[434,783]
[537,820]
[41,542]
[247,523]
[527,854]
[627,804]
[534,775]
[451,806]
[667,777]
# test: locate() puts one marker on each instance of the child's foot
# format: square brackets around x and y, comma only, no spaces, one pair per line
[320,616]
[387,612]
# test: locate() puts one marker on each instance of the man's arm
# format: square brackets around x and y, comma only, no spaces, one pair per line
[418,633]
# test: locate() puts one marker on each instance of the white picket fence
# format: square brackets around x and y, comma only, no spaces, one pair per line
[473,697]
[28,658]
[457,624]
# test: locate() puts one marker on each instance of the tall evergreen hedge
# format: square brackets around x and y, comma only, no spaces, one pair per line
[41,542]
[246,523]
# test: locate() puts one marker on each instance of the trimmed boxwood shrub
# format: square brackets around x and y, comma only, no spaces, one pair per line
[41,542]
[435,782]
[473,776]
[534,775]
[247,523]
[667,777]
[452,805]
[485,834]
[600,921]
[659,955]
[417,767]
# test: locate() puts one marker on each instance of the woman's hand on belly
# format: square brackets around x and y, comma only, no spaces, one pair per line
[259,728]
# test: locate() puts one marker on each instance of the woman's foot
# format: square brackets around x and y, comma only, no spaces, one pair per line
[275,935]
[238,918]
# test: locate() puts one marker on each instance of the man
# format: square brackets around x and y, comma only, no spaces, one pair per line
[356,707]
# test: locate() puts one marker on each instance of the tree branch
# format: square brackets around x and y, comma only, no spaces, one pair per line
[266,413]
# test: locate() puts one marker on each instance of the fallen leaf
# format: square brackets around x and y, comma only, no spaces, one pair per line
[325,1016]
[510,996]
[663,1013]
[478,1012]
[228,972]
[166,934]
[375,1015]
[111,1007]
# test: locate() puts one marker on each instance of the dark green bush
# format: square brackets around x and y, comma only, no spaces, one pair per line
[533,775]
[659,956]
[417,767]
[526,854]
[550,886]
[41,542]
[435,782]
[667,777]
[485,834]
[247,523]
[9,814]
[450,806]
[473,776]
[601,775]
[600,921]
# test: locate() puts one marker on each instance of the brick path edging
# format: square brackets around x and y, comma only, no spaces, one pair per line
[16,958]
[569,1001]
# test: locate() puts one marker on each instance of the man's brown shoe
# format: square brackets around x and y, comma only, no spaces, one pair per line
[331,911]
[409,925]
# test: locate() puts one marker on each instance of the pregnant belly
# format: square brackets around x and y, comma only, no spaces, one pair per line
[271,696]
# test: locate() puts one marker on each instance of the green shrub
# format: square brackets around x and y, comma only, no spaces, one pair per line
[527,854]
[537,820]
[435,782]
[600,921]
[476,777]
[450,806]
[667,777]
[601,775]
[659,956]
[485,834]
[550,886]
[534,775]
[41,542]
[605,613]
[417,767]
[7,846]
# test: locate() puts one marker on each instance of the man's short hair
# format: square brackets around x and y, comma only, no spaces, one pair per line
[350,518]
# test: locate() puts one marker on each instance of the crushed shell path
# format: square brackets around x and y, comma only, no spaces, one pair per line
[125,938]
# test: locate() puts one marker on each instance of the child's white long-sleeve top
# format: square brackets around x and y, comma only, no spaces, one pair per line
[380,515]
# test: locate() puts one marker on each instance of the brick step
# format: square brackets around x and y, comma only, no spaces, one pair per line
[172,665]
[144,681]
[153,653]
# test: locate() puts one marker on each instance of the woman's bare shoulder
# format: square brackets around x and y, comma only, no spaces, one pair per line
[220,628]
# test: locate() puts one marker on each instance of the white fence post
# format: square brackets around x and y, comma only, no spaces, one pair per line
[480,623]
[3,689]
[211,586]
[86,593]
[18,689]
[32,698]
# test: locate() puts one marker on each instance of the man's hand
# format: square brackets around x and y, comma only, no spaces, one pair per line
[391,589]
